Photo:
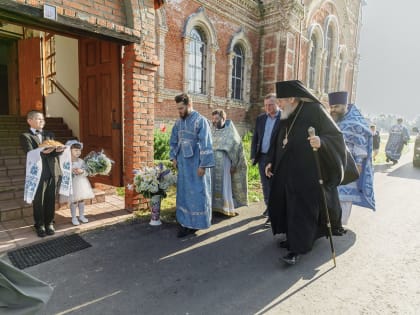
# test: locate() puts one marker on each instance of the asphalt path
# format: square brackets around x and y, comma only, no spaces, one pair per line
[234,267]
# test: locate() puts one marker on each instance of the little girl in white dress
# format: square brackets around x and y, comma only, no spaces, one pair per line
[82,189]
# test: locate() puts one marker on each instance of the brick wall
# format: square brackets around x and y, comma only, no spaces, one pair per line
[276,61]
[225,26]
[107,13]
[139,68]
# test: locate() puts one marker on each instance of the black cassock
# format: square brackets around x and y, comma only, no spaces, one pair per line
[295,205]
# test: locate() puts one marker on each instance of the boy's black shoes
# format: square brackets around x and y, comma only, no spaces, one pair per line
[40,231]
[50,230]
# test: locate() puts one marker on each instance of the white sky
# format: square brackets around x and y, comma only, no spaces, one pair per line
[389,69]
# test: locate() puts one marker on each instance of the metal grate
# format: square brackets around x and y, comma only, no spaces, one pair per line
[35,254]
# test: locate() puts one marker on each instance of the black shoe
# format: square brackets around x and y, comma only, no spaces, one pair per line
[40,231]
[394,162]
[50,229]
[265,213]
[291,258]
[184,231]
[267,223]
[340,231]
[387,160]
[284,244]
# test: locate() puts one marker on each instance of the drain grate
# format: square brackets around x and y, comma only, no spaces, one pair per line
[35,254]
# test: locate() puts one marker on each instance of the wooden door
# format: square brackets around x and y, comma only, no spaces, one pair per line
[100,103]
[30,83]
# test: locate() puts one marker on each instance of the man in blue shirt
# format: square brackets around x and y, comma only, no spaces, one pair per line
[265,126]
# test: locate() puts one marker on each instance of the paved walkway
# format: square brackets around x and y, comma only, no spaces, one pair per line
[18,233]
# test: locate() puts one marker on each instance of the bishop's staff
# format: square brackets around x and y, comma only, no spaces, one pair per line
[311,132]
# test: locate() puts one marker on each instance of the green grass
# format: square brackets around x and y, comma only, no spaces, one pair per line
[167,208]
[169,203]
[120,191]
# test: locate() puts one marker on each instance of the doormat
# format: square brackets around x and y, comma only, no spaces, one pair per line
[35,254]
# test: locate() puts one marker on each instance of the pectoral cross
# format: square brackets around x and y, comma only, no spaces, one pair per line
[284,141]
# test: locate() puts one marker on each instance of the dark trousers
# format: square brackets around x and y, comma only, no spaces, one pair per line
[264,180]
[44,202]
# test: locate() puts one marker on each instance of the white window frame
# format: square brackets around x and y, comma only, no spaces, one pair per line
[330,53]
[315,31]
[240,39]
[201,21]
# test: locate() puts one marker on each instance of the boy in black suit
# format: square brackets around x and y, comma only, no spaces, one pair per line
[44,199]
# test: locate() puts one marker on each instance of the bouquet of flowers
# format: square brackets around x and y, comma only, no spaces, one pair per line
[97,163]
[155,180]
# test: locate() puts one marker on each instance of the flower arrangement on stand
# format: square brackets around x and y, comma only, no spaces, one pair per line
[97,163]
[153,183]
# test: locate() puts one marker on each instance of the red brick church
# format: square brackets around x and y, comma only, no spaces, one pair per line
[109,69]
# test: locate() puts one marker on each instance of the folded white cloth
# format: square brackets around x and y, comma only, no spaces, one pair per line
[34,170]
[33,174]
[66,188]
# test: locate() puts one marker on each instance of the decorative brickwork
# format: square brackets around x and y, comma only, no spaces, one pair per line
[140,64]
[278,37]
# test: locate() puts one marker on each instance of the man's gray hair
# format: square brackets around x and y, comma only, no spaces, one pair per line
[270,95]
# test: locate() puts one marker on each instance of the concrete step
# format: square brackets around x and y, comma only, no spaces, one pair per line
[16,208]
[15,133]
[99,197]
[12,170]
[11,118]
[9,141]
[7,160]
[24,125]
[11,150]
[22,119]
[11,193]
[7,182]
[14,141]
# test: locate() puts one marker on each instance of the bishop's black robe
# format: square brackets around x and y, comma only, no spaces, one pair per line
[295,203]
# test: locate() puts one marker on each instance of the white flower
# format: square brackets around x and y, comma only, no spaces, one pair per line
[153,180]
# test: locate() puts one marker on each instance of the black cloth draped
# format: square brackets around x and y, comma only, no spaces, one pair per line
[295,203]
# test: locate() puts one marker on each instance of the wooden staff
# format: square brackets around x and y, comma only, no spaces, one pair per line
[311,132]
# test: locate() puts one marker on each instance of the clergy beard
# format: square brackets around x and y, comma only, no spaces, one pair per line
[337,116]
[287,110]
[219,125]
[184,114]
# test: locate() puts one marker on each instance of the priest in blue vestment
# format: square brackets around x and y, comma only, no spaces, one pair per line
[398,137]
[191,153]
[359,141]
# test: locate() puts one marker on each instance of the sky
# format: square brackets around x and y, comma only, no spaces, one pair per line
[389,67]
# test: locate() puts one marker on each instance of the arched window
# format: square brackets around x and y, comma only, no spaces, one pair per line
[239,55]
[340,72]
[197,62]
[312,62]
[238,72]
[329,45]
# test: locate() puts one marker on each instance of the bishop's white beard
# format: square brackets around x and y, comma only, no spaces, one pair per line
[287,110]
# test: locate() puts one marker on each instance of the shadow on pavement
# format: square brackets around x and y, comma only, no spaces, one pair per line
[382,168]
[233,268]
[407,171]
